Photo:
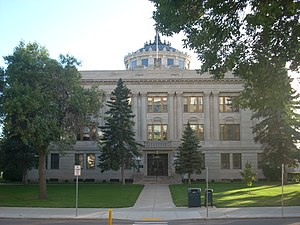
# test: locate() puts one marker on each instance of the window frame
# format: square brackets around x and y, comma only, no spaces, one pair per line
[227,135]
[151,132]
[162,106]
[199,134]
[88,167]
[54,161]
[227,105]
[187,105]
[225,161]
[236,160]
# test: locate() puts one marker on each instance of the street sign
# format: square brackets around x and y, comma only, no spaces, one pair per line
[77,170]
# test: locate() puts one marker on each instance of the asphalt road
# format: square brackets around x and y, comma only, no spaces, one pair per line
[288,221]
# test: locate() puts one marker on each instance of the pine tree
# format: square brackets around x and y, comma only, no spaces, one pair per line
[248,174]
[117,145]
[189,158]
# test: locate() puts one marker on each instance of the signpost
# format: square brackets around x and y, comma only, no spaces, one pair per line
[77,173]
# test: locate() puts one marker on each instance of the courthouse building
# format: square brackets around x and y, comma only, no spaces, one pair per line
[166,95]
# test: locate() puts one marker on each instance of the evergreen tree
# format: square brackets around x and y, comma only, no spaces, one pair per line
[248,174]
[189,158]
[117,145]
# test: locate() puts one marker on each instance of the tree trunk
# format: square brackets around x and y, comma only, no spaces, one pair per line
[42,176]
[189,178]
[285,174]
[122,174]
[24,177]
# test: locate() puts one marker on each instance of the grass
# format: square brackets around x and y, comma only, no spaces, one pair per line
[63,195]
[237,195]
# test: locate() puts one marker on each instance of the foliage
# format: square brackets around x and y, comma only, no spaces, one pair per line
[43,101]
[118,145]
[248,174]
[18,158]
[254,40]
[189,158]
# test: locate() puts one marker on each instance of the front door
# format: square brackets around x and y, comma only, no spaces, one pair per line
[157,164]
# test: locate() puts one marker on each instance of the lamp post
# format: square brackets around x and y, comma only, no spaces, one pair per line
[138,159]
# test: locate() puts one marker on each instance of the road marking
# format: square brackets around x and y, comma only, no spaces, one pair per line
[150,223]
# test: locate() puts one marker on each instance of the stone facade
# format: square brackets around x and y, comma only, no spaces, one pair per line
[165,97]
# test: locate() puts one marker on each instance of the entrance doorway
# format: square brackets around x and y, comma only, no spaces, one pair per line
[157,165]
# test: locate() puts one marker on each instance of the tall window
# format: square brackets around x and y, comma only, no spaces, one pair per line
[54,161]
[157,105]
[229,132]
[157,132]
[259,160]
[90,161]
[237,160]
[133,64]
[79,159]
[226,104]
[199,129]
[192,104]
[225,161]
[181,64]
[145,62]
[170,62]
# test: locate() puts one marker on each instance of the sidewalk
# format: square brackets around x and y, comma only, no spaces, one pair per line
[154,203]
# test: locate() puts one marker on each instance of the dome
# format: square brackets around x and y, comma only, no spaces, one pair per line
[157,55]
[161,45]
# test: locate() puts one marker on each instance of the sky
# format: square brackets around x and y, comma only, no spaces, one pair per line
[99,33]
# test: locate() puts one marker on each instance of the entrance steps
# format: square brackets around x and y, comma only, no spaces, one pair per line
[157,179]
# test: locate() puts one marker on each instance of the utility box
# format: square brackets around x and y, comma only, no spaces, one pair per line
[194,197]
[209,197]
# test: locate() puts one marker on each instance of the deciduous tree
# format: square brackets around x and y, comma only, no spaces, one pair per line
[44,101]
[254,40]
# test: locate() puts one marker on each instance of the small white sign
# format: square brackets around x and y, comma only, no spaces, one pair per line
[77,170]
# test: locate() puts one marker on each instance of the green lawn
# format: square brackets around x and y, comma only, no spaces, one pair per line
[237,195]
[63,195]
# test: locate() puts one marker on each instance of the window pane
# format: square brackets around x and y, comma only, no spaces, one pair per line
[90,161]
[200,104]
[145,62]
[133,64]
[229,132]
[54,161]
[193,104]
[181,64]
[149,108]
[237,160]
[150,135]
[185,104]
[157,132]
[170,62]
[165,104]
[79,160]
[225,161]
[157,105]
[164,132]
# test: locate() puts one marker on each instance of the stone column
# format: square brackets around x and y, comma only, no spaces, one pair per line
[171,129]
[207,116]
[134,107]
[143,116]
[215,114]
[179,115]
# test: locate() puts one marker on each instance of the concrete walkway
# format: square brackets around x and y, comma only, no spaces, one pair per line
[154,203]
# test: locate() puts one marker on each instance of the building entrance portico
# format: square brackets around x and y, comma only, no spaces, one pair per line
[157,164]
